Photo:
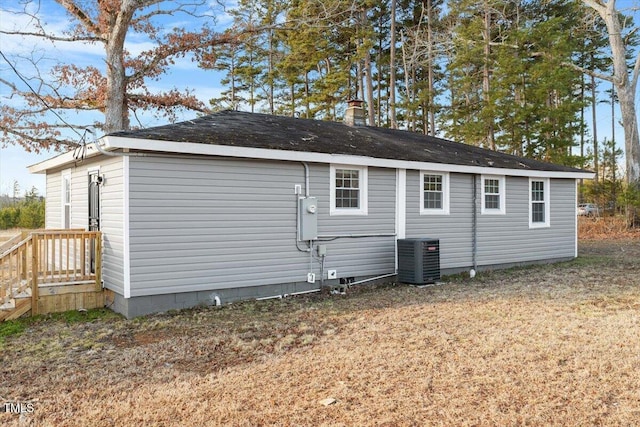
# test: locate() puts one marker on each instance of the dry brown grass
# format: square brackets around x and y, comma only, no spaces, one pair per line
[545,345]
[605,228]
[6,235]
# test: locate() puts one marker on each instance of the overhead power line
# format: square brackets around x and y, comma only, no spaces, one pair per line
[37,95]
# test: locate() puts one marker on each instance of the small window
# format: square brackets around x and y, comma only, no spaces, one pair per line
[348,190]
[539,203]
[66,200]
[434,196]
[493,195]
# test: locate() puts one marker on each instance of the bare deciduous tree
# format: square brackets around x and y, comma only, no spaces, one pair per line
[116,92]
[625,81]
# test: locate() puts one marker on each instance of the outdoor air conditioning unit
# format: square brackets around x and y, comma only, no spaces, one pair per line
[418,261]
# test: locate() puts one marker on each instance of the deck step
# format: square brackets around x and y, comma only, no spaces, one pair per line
[10,305]
[22,306]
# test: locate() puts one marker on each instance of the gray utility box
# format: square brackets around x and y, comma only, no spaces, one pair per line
[308,218]
[418,261]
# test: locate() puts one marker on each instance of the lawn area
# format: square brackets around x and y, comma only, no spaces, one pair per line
[543,345]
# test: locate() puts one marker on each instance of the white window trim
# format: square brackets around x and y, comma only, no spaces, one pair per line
[363,182]
[92,170]
[547,204]
[445,194]
[503,195]
[64,175]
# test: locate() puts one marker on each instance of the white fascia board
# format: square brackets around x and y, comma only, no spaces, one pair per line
[62,159]
[113,142]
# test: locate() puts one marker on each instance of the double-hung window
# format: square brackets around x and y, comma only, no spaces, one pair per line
[493,195]
[539,209]
[434,194]
[348,190]
[66,199]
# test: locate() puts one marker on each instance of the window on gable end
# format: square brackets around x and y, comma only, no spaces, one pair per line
[66,199]
[539,205]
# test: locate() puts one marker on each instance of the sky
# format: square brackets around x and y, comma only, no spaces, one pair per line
[184,74]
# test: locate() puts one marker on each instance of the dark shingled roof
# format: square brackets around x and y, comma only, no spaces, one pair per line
[242,129]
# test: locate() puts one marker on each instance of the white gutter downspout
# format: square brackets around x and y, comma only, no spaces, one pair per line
[474,228]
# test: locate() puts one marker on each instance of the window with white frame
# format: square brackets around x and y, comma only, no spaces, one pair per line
[539,208]
[348,190]
[434,194]
[66,200]
[493,195]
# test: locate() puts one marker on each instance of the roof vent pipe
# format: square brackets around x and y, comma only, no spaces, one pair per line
[354,116]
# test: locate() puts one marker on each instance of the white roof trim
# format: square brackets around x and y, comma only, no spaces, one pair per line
[113,142]
[62,160]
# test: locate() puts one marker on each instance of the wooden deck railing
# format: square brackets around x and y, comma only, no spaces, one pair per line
[14,275]
[50,257]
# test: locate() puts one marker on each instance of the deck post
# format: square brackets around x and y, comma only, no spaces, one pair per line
[83,258]
[23,265]
[98,252]
[34,275]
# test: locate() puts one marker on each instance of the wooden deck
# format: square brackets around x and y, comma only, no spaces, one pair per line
[47,271]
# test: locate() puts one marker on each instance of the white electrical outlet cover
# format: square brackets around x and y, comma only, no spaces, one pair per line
[311,277]
[332,274]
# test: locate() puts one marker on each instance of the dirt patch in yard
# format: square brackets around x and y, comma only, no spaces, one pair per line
[544,345]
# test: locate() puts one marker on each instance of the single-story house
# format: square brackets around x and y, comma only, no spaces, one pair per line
[236,205]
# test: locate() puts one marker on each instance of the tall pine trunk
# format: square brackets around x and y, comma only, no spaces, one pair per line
[430,76]
[392,69]
[369,86]
[486,74]
[594,122]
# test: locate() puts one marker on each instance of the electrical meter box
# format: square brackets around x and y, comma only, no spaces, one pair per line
[308,218]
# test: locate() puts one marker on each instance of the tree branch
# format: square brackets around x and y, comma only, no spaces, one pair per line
[44,35]
[170,100]
[52,102]
[586,71]
[179,8]
[597,6]
[80,15]
[177,44]
[35,143]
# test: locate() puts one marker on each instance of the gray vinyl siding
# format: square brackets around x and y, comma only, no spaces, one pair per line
[111,211]
[453,230]
[112,222]
[79,198]
[508,238]
[53,205]
[361,256]
[211,223]
[501,239]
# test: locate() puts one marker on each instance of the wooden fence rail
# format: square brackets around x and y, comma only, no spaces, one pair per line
[50,257]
